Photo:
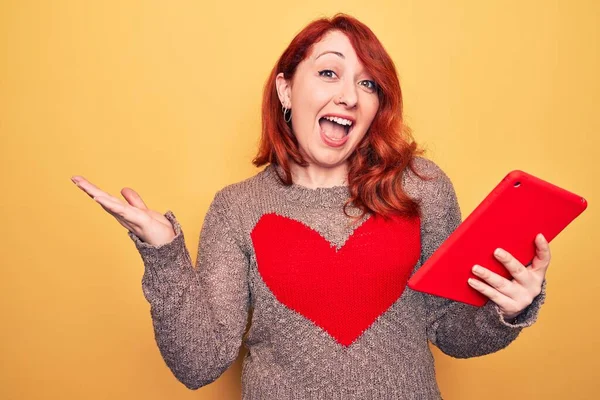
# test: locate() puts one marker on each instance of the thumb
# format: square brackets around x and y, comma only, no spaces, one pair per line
[133,198]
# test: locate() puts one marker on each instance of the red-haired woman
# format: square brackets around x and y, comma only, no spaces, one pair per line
[320,245]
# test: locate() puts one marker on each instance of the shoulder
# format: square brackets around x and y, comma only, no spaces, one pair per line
[430,184]
[234,197]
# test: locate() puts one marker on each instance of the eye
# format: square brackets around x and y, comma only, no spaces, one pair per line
[370,85]
[327,73]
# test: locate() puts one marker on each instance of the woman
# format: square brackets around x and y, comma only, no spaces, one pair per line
[320,244]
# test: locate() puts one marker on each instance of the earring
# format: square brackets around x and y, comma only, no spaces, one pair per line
[285,111]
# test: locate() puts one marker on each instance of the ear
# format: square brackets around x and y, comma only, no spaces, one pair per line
[284,90]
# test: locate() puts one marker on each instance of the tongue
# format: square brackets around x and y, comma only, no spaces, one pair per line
[331,129]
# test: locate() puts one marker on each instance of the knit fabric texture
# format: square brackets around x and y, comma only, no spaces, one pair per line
[332,317]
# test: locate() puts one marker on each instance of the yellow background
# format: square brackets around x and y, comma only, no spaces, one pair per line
[165,97]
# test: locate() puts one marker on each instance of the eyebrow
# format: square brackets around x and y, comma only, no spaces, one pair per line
[337,53]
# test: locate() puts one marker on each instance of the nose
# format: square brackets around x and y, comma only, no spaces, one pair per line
[347,95]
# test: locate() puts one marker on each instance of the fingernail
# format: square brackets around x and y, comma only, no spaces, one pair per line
[472,282]
[500,253]
[477,269]
[74,180]
[543,237]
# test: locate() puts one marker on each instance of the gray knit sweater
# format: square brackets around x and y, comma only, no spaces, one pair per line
[325,323]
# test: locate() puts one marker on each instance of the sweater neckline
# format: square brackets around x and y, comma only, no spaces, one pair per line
[334,196]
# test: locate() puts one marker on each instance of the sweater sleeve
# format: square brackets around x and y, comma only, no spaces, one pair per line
[458,329]
[199,314]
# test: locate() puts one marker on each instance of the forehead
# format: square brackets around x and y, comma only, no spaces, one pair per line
[334,41]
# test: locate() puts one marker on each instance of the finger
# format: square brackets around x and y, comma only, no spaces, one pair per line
[541,261]
[103,201]
[516,269]
[128,214]
[503,301]
[496,281]
[89,188]
[133,198]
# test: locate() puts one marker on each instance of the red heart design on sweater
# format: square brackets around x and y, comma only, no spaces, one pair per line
[342,291]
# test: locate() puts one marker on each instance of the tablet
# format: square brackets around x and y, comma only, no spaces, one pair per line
[510,217]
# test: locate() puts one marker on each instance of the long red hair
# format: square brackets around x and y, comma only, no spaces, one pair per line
[376,166]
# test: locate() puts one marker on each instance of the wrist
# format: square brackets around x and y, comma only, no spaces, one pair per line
[510,318]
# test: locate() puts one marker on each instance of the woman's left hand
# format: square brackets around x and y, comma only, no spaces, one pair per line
[513,296]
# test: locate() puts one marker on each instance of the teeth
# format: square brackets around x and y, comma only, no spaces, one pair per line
[341,121]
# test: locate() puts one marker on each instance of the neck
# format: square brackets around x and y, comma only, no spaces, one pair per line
[315,176]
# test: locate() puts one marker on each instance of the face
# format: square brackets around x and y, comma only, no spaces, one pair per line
[333,101]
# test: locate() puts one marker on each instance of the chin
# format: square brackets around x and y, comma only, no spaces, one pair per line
[329,160]
[325,156]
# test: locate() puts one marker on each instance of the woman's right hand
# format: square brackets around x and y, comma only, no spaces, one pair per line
[150,226]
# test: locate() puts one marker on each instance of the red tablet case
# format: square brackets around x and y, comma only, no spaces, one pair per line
[510,217]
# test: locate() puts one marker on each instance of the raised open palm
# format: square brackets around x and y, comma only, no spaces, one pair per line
[149,225]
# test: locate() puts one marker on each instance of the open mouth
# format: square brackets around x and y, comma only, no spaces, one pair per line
[335,128]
